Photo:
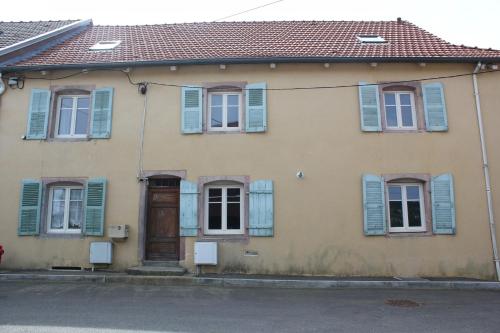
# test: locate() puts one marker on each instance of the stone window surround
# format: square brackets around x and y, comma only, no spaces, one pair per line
[47,183]
[421,178]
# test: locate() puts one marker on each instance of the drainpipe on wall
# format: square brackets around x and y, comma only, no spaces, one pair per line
[486,173]
[142,88]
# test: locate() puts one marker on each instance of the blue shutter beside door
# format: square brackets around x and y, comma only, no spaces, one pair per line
[192,110]
[443,204]
[434,107]
[369,107]
[95,203]
[102,111]
[29,208]
[374,205]
[256,107]
[38,116]
[188,209]
[261,210]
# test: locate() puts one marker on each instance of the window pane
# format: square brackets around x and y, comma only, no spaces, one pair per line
[404,99]
[390,99]
[391,117]
[406,116]
[395,193]
[233,100]
[216,100]
[57,216]
[76,194]
[414,218]
[233,195]
[65,121]
[67,103]
[215,195]
[233,215]
[396,212]
[75,215]
[83,103]
[82,120]
[233,116]
[412,193]
[215,216]
[216,113]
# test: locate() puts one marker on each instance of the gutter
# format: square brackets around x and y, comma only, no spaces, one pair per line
[33,40]
[265,60]
[486,170]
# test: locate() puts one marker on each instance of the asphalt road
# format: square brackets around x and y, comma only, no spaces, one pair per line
[121,308]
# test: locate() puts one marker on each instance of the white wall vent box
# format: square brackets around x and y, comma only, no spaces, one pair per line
[118,231]
[205,253]
[101,252]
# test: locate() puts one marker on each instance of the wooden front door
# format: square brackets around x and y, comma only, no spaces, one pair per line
[162,234]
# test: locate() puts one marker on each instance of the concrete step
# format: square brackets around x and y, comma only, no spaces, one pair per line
[156,271]
[161,263]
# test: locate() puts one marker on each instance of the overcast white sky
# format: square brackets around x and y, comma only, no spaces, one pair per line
[469,22]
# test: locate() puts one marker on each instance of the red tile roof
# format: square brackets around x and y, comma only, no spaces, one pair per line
[254,41]
[14,32]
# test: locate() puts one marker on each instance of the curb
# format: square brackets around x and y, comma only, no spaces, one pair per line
[254,283]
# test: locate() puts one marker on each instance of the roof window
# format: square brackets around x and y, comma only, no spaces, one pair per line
[371,39]
[105,45]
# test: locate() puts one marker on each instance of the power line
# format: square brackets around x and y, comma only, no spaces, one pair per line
[248,10]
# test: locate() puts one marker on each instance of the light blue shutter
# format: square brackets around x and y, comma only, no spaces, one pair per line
[192,110]
[188,209]
[102,112]
[261,210]
[436,119]
[256,107]
[374,205]
[95,203]
[29,208]
[369,107]
[443,204]
[38,114]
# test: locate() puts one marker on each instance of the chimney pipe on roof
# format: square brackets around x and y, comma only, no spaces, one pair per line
[399,20]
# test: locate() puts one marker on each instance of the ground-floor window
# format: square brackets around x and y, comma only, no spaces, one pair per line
[224,209]
[406,207]
[65,211]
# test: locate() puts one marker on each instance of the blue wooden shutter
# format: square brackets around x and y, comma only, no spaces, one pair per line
[256,107]
[436,119]
[188,208]
[369,107]
[443,204]
[102,112]
[374,205]
[261,210]
[29,208]
[192,110]
[38,114]
[95,203]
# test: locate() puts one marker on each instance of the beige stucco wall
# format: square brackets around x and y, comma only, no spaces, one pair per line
[318,220]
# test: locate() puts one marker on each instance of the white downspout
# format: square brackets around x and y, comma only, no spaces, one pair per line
[486,172]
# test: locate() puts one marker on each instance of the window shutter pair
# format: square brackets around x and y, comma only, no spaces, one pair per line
[261,211]
[442,197]
[255,108]
[31,204]
[434,107]
[100,118]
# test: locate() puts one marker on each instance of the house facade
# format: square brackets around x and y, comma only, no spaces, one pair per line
[324,148]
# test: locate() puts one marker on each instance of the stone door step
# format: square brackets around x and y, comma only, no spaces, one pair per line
[157,271]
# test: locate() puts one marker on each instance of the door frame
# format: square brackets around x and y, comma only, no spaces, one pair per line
[143,209]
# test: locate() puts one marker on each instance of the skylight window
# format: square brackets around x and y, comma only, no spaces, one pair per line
[371,39]
[105,45]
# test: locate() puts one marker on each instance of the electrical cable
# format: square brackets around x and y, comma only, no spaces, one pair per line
[248,10]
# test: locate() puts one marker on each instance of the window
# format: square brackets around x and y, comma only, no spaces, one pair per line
[400,110]
[406,207]
[224,212]
[65,211]
[72,116]
[105,45]
[371,39]
[224,111]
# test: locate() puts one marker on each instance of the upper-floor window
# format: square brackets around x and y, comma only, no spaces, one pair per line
[72,116]
[224,111]
[65,209]
[406,207]
[400,110]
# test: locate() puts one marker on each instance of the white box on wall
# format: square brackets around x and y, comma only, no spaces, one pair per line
[205,253]
[101,252]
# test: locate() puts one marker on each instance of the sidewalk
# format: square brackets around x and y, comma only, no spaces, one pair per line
[241,280]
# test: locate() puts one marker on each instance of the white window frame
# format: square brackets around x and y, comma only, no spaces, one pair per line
[399,116]
[224,230]
[73,117]
[224,127]
[406,227]
[65,229]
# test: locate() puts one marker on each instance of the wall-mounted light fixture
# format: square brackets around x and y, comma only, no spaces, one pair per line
[2,85]
[300,174]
